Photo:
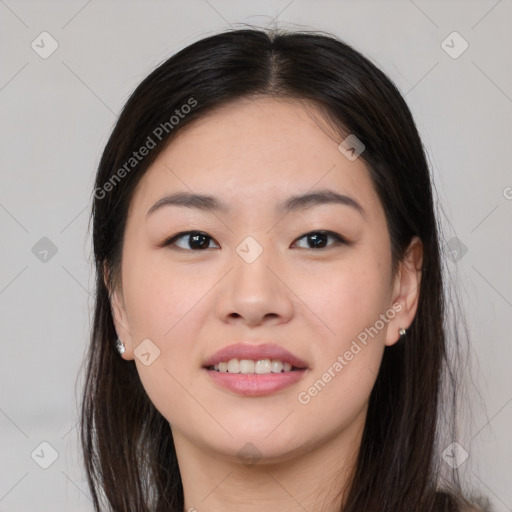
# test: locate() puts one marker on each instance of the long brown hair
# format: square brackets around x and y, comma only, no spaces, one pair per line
[127,444]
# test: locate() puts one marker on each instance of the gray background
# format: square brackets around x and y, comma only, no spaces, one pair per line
[56,114]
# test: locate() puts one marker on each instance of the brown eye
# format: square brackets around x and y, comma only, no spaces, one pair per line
[318,239]
[197,240]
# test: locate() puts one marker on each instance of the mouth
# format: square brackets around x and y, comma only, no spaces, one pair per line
[254,370]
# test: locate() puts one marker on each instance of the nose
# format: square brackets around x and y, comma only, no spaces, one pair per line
[255,293]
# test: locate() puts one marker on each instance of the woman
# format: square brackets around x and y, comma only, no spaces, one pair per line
[268,330]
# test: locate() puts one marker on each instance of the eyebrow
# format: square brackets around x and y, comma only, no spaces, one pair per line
[294,203]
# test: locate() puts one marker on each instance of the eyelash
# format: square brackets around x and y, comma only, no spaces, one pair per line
[339,240]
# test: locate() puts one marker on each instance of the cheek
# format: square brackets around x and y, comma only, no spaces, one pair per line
[347,358]
[165,307]
[346,299]
[346,362]
[161,297]
[357,300]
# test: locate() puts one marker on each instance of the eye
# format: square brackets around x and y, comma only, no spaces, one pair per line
[319,239]
[197,240]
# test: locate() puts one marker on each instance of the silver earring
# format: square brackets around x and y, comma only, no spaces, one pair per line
[120,346]
[402,331]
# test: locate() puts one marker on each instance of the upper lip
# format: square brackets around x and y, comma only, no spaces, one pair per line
[254,352]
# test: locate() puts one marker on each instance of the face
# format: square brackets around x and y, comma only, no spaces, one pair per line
[313,278]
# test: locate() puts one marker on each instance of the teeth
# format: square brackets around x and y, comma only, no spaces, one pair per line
[276,366]
[260,367]
[263,366]
[246,366]
[233,366]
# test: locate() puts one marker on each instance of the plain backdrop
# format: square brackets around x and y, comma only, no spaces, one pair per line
[57,111]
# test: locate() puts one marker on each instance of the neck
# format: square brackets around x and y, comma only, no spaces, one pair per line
[311,481]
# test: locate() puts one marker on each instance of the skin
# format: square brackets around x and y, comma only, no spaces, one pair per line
[252,154]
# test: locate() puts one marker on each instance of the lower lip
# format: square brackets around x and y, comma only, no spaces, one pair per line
[252,384]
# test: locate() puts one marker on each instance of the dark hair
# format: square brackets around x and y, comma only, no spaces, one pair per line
[127,444]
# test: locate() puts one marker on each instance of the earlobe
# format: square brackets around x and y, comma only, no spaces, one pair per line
[406,291]
[118,312]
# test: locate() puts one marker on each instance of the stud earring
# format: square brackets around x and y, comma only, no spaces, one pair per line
[120,346]
[402,331]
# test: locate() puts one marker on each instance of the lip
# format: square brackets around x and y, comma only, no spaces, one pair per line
[254,384]
[255,353]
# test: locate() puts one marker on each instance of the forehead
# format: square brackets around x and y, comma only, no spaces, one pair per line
[256,137]
[256,150]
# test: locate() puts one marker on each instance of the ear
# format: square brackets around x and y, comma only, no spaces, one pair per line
[118,310]
[406,290]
